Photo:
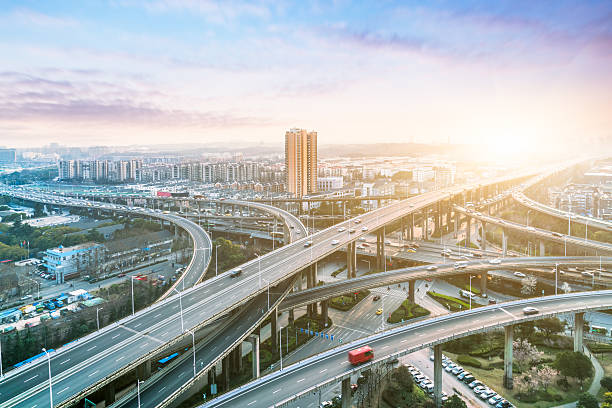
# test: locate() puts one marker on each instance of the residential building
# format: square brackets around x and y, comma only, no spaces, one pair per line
[301,162]
[8,155]
[330,183]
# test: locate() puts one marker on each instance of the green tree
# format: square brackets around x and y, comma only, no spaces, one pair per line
[550,325]
[455,402]
[524,330]
[587,400]
[607,402]
[574,364]
[606,383]
[404,378]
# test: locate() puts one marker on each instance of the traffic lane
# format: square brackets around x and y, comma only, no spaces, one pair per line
[297,378]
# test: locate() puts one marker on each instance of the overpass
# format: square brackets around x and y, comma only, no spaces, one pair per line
[281,387]
[213,298]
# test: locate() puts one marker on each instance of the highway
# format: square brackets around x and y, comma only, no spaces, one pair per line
[98,361]
[600,247]
[321,371]
[329,290]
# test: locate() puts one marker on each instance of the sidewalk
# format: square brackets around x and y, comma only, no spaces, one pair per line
[595,386]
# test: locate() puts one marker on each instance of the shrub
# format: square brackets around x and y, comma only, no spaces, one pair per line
[563,384]
[606,383]
[406,311]
[468,361]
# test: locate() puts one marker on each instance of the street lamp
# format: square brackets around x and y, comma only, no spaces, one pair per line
[259,266]
[132,279]
[181,305]
[471,291]
[138,382]
[50,384]
[1,375]
[216,258]
[97,316]
[268,282]
[556,276]
[193,347]
[528,217]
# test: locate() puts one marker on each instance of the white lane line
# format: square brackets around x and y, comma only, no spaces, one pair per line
[59,392]
[144,345]
[163,388]
[137,325]
[324,370]
[382,348]
[403,341]
[120,358]
[91,348]
[94,373]
[29,379]
[64,362]
[252,402]
[274,392]
[157,315]
[115,336]
[301,380]
[505,311]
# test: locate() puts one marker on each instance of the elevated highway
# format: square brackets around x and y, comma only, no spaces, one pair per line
[307,377]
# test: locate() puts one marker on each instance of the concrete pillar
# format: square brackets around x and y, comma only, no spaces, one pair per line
[411,228]
[578,329]
[456,227]
[438,375]
[238,358]
[468,230]
[299,281]
[143,371]
[542,249]
[274,328]
[314,271]
[309,283]
[254,340]
[212,374]
[483,242]
[380,249]
[509,338]
[291,316]
[109,393]
[483,282]
[426,224]
[411,291]
[325,311]
[346,393]
[504,243]
[349,261]
[225,372]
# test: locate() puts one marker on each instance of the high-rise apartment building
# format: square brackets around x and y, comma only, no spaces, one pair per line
[301,162]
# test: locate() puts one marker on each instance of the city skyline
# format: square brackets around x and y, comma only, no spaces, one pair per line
[508,76]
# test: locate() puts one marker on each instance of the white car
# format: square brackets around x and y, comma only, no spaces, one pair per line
[530,310]
[335,242]
[494,261]
[341,229]
[432,267]
[531,229]
[362,239]
[519,275]
[364,229]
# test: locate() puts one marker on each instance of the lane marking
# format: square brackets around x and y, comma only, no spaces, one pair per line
[163,388]
[29,379]
[120,358]
[115,336]
[91,348]
[274,392]
[301,380]
[157,315]
[252,402]
[507,312]
[59,392]
[64,362]
[324,370]
[94,373]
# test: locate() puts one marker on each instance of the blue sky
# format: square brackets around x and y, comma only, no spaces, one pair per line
[159,71]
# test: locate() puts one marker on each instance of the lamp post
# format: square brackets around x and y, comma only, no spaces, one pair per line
[1,374]
[132,279]
[216,259]
[138,382]
[471,291]
[97,316]
[268,282]
[528,217]
[556,276]
[50,384]
[280,345]
[259,268]
[181,305]
[193,347]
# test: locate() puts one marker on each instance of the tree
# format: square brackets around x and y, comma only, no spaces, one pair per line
[606,382]
[525,354]
[455,402]
[528,285]
[566,288]
[404,378]
[524,330]
[546,375]
[574,364]
[550,325]
[587,400]
[607,402]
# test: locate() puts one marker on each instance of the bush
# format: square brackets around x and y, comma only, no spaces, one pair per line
[406,311]
[586,400]
[563,384]
[600,348]
[606,383]
[450,302]
[347,301]
[468,361]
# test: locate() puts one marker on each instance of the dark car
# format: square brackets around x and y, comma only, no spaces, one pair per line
[375,298]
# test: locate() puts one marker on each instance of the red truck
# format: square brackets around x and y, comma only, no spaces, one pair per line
[360,355]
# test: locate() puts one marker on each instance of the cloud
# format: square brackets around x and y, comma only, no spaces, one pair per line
[30,17]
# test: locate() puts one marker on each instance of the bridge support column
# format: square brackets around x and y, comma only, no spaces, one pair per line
[143,371]
[449,207]
[438,375]
[237,363]
[349,260]
[254,340]
[411,297]
[578,329]
[300,278]
[483,241]
[468,231]
[380,249]
[225,372]
[291,317]
[325,311]
[411,228]
[509,336]
[456,227]
[314,271]
[542,248]
[426,224]
[274,328]
[504,243]
[483,282]
[346,393]
[109,393]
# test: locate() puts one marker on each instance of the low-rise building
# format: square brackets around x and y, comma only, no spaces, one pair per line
[65,263]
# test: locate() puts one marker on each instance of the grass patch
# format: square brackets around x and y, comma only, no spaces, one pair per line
[451,303]
[599,348]
[462,244]
[406,311]
[472,289]
[347,301]
[338,271]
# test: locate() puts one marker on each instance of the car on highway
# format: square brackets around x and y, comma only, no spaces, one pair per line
[375,298]
[236,272]
[351,231]
[531,229]
[556,234]
[460,264]
[529,310]
[432,267]
[495,399]
[519,274]
[335,242]
[360,355]
[495,261]
[362,239]
[379,311]
[307,244]
[357,221]
[341,229]
[474,384]
[364,229]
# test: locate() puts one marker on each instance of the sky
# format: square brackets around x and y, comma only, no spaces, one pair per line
[510,75]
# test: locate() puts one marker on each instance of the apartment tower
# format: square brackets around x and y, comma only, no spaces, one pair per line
[301,162]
